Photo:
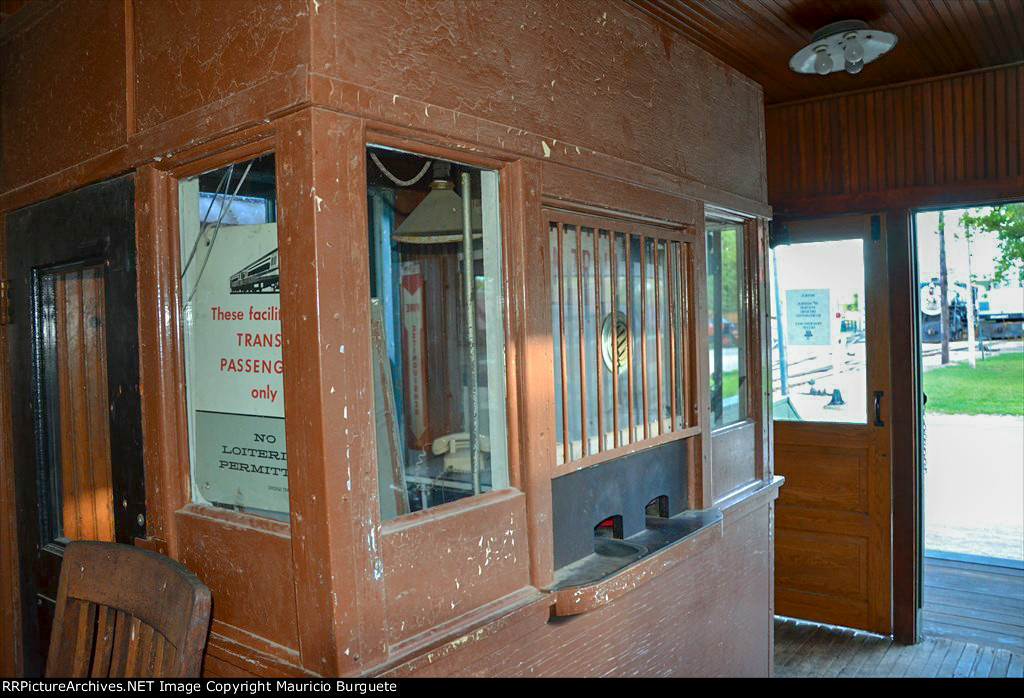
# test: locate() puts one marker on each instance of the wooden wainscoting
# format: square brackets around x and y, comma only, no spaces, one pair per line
[86,487]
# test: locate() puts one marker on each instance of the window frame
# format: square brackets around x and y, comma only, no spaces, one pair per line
[263,142]
[420,144]
[417,148]
[740,456]
[434,534]
[202,536]
[646,202]
[194,504]
[742,227]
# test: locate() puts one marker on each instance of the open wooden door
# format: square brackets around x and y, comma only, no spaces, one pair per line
[832,426]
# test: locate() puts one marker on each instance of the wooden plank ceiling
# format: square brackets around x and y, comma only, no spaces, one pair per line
[935,37]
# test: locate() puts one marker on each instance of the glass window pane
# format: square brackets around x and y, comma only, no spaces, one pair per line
[637,334]
[678,315]
[439,370]
[233,368]
[557,324]
[618,340]
[664,309]
[818,332]
[602,320]
[589,343]
[650,337]
[727,324]
[572,301]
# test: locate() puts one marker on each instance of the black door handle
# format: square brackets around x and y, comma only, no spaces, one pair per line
[878,408]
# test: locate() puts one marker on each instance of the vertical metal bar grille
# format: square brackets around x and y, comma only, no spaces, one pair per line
[664,391]
[672,325]
[680,349]
[597,340]
[643,334]
[583,345]
[657,332]
[689,345]
[614,320]
[629,328]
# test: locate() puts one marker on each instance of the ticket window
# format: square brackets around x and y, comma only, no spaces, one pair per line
[438,341]
[230,288]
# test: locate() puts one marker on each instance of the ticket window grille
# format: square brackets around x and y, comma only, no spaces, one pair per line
[620,301]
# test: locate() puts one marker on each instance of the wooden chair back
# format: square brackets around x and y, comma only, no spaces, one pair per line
[127,612]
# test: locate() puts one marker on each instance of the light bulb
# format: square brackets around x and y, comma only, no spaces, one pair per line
[822,61]
[854,52]
[854,67]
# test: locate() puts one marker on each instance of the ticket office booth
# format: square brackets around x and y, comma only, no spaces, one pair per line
[481,439]
[418,401]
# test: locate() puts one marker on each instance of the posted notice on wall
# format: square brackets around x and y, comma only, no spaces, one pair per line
[236,373]
[808,319]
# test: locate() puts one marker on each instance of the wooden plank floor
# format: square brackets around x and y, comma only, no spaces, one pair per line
[973,624]
[977,603]
[812,650]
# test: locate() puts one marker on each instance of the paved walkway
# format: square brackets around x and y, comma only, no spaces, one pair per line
[974,485]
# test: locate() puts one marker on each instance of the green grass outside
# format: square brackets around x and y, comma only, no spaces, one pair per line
[730,384]
[996,386]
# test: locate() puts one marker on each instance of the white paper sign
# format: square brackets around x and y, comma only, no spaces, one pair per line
[808,317]
[236,382]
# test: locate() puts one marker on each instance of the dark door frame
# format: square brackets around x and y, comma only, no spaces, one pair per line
[93,224]
[905,359]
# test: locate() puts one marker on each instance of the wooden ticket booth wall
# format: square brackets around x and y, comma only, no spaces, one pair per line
[461,588]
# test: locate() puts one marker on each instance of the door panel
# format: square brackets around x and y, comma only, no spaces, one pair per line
[73,338]
[832,552]
[833,549]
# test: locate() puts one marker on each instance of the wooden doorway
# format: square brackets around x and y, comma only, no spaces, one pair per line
[73,351]
[831,330]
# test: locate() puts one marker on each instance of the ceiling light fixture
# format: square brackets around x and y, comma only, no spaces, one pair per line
[846,45]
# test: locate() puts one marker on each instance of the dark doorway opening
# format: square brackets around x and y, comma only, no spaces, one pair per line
[73,339]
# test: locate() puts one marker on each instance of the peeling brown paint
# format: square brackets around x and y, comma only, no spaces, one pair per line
[579,104]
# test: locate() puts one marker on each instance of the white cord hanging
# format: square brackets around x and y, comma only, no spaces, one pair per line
[224,180]
[216,229]
[396,180]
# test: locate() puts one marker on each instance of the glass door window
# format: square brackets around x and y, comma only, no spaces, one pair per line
[819,371]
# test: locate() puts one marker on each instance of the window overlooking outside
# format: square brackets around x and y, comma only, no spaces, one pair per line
[727,323]
[818,332]
[438,340]
[231,312]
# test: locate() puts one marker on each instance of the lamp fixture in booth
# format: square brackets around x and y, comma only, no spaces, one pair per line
[847,45]
[438,218]
[445,217]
